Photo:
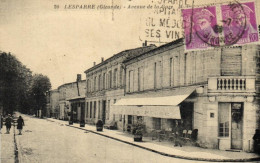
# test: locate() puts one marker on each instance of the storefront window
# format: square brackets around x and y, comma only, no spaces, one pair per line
[224,119]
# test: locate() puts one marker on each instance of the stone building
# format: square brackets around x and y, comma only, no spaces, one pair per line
[52,103]
[67,92]
[214,91]
[105,85]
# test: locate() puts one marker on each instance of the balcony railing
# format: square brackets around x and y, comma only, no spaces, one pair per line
[231,84]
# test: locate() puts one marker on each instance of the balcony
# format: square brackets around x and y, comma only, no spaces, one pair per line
[231,84]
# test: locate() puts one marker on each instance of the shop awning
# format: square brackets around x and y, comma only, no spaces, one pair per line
[170,112]
[162,107]
[153,101]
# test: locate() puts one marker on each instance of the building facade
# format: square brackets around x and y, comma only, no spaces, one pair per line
[105,83]
[53,103]
[67,92]
[214,91]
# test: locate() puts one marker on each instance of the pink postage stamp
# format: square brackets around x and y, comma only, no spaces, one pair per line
[233,24]
[239,23]
[200,28]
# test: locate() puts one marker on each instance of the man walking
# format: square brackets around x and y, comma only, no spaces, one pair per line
[8,123]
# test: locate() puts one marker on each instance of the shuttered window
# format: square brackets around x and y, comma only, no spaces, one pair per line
[231,62]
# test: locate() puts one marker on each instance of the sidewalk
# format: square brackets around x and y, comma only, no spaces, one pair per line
[7,146]
[167,149]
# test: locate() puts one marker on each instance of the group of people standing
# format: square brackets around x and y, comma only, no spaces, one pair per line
[9,121]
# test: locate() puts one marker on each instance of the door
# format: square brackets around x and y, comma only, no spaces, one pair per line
[104,111]
[82,118]
[186,110]
[236,125]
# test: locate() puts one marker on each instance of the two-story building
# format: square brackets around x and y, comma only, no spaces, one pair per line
[215,91]
[74,92]
[105,83]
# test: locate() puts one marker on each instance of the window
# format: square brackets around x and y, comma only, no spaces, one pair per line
[99,82]
[104,80]
[114,101]
[120,117]
[171,75]
[121,77]
[110,79]
[95,83]
[114,117]
[88,86]
[155,76]
[131,81]
[231,61]
[185,68]
[115,78]
[139,79]
[223,112]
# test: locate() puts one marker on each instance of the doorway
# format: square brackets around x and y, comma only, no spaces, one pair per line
[230,118]
[104,111]
[186,110]
[236,125]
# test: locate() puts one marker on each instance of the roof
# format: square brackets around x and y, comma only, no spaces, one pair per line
[165,47]
[131,53]
[71,83]
[76,98]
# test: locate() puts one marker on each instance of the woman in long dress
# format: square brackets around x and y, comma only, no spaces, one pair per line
[20,124]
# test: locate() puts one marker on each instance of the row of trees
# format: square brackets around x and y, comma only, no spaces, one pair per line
[20,89]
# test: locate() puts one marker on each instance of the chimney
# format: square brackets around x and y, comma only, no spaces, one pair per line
[145,43]
[78,77]
[102,59]
[94,63]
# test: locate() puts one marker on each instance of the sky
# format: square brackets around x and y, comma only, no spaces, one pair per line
[62,43]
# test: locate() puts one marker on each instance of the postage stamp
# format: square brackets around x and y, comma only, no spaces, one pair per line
[239,23]
[220,25]
[199,25]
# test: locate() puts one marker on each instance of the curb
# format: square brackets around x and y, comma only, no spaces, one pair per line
[16,158]
[166,154]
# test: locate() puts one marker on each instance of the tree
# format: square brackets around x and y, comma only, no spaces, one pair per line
[39,86]
[15,80]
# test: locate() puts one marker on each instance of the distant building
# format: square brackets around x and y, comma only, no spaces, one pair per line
[215,91]
[105,85]
[53,103]
[58,101]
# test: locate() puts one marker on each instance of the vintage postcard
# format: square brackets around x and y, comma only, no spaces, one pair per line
[149,81]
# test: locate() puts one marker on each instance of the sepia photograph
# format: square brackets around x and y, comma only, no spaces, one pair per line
[129,81]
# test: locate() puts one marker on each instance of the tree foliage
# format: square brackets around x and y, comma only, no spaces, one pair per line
[39,86]
[17,85]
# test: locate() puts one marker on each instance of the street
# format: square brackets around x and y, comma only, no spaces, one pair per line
[47,141]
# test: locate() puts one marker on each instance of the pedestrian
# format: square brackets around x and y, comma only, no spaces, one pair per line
[177,131]
[8,123]
[20,124]
[1,119]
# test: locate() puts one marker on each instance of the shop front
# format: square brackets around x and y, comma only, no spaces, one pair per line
[158,113]
[77,109]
